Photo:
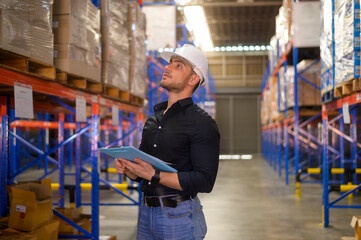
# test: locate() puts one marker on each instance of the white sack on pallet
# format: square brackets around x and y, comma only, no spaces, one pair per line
[306,24]
[339,19]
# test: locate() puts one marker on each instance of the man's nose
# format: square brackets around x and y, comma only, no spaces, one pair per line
[167,67]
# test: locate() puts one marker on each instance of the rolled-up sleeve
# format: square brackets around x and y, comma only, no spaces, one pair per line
[204,154]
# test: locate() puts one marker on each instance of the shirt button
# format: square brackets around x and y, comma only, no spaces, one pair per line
[155,145]
[160,127]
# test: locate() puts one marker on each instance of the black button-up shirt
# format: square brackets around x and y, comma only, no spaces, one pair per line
[187,138]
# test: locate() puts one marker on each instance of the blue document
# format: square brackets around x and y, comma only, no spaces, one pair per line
[129,153]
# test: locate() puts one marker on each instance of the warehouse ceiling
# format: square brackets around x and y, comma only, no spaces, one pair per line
[238,22]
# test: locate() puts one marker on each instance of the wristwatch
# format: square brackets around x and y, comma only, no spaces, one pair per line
[155,179]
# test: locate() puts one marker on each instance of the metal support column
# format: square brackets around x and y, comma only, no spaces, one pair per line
[4,151]
[296,142]
[78,167]
[61,160]
[325,168]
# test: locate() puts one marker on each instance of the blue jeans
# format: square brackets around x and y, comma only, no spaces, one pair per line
[185,222]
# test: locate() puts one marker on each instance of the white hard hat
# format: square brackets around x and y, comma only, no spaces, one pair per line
[194,56]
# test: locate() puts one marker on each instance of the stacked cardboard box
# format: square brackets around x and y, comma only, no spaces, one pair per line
[115,43]
[137,50]
[76,26]
[25,28]
[308,95]
[31,211]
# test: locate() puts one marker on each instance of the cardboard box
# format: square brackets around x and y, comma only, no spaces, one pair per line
[68,29]
[12,234]
[73,214]
[76,8]
[30,206]
[70,59]
[348,238]
[48,231]
[356,224]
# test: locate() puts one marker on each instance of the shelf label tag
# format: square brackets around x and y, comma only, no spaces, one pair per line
[358,97]
[23,94]
[80,108]
[115,115]
[346,113]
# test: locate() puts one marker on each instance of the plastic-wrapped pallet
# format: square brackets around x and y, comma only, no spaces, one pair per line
[347,40]
[326,46]
[282,30]
[308,95]
[115,43]
[26,28]
[76,26]
[137,49]
[281,74]
[272,54]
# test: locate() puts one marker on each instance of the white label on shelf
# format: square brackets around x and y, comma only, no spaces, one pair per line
[20,208]
[115,115]
[23,100]
[358,97]
[102,101]
[346,113]
[94,99]
[80,109]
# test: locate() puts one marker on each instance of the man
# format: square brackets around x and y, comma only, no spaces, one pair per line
[180,133]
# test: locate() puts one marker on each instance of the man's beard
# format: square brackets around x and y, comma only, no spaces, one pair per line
[171,86]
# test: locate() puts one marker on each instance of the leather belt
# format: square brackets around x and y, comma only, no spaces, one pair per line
[171,201]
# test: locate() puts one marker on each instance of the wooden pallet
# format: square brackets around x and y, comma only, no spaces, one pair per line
[347,88]
[26,65]
[115,93]
[305,112]
[78,82]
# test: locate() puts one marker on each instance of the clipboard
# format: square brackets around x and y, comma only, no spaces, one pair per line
[129,153]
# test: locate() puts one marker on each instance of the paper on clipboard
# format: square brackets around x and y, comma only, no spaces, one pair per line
[129,153]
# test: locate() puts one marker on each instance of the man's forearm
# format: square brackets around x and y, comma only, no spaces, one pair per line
[130,175]
[170,180]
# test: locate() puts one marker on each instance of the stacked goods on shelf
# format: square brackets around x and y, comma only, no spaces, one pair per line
[76,26]
[115,43]
[137,50]
[272,54]
[308,95]
[274,114]
[326,47]
[265,107]
[26,29]
[347,41]
[282,80]
[282,30]
[31,210]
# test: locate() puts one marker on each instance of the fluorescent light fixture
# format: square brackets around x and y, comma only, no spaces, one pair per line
[223,49]
[217,49]
[251,48]
[257,48]
[228,48]
[234,48]
[196,18]
[245,48]
[240,48]
[263,47]
[269,47]
[246,157]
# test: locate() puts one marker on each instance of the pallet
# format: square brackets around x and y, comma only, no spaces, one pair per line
[78,82]
[305,112]
[347,88]
[26,65]
[115,93]
[327,97]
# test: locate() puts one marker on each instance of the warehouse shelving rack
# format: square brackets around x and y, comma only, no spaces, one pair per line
[292,142]
[58,92]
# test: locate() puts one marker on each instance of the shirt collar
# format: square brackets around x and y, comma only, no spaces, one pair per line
[181,103]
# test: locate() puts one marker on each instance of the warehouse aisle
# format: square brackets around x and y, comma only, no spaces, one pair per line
[251,202]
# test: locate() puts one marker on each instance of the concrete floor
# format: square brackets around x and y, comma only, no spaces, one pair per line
[249,202]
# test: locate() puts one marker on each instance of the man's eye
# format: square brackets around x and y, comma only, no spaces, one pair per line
[179,66]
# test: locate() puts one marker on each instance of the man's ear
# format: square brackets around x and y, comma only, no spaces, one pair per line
[194,80]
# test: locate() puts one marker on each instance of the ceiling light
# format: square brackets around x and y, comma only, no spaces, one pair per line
[269,47]
[240,48]
[234,48]
[245,48]
[196,18]
[246,157]
[217,49]
[223,49]
[228,48]
[263,47]
[257,48]
[251,48]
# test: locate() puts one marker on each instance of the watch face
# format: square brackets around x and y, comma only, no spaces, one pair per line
[155,179]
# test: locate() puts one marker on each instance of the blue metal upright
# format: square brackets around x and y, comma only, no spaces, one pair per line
[61,161]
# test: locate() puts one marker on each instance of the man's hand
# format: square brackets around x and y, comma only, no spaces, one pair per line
[119,166]
[139,168]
